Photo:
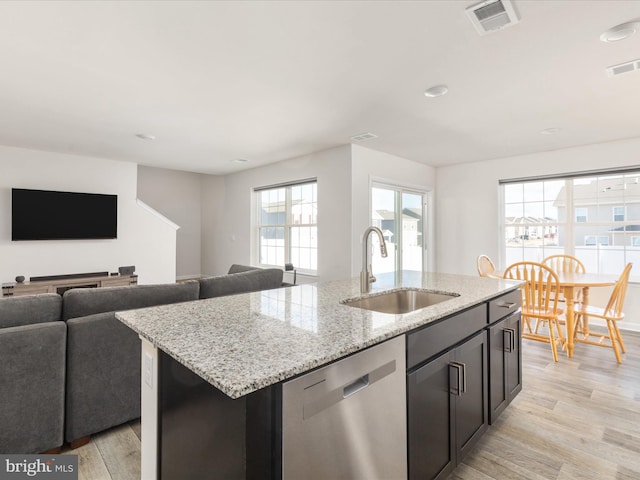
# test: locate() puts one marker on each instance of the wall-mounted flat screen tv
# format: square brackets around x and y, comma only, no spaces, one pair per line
[50,215]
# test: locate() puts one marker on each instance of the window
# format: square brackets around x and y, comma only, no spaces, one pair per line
[590,240]
[592,216]
[287,230]
[581,215]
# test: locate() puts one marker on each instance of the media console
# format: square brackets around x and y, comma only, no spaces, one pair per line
[61,283]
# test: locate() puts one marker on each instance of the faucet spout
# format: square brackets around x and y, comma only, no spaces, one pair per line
[366,276]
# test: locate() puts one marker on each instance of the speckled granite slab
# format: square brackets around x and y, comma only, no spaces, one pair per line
[242,343]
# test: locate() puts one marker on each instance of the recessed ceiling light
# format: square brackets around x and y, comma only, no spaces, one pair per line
[436,91]
[239,160]
[550,131]
[145,136]
[620,32]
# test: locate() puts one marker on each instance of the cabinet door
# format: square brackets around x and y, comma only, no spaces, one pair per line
[431,447]
[471,409]
[447,414]
[513,372]
[505,367]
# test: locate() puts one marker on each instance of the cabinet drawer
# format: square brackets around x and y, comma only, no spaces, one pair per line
[437,337]
[504,305]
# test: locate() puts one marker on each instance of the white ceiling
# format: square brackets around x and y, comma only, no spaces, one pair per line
[266,81]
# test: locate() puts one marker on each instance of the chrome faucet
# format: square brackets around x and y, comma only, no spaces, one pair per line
[366,277]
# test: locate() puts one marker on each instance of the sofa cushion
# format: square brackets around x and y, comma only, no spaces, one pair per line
[103,375]
[248,281]
[32,374]
[80,302]
[29,309]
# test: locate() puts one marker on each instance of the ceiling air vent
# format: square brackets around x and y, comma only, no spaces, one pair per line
[363,136]
[492,15]
[623,68]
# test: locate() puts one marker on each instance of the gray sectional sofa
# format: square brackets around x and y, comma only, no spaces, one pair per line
[69,369]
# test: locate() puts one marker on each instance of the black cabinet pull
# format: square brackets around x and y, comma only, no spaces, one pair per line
[461,378]
[510,341]
[508,305]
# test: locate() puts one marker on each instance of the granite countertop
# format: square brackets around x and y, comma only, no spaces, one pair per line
[242,343]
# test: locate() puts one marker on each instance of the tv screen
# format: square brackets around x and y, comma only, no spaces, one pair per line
[49,215]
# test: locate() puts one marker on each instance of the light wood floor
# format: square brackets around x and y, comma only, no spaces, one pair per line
[575,419]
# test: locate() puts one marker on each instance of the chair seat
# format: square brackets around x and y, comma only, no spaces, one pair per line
[599,312]
[539,313]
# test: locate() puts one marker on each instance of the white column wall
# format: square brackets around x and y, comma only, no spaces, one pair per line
[144,240]
[467,203]
[213,242]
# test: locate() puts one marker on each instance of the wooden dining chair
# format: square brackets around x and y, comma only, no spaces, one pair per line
[564,263]
[485,266]
[569,263]
[611,314]
[539,302]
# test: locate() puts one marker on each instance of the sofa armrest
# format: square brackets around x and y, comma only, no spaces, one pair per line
[237,268]
[248,281]
[32,382]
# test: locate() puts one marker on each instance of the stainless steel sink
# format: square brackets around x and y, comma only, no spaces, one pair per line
[400,301]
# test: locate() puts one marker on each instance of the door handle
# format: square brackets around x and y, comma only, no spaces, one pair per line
[461,384]
[508,305]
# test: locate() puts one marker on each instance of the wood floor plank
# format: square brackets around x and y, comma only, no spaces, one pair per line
[90,463]
[136,426]
[583,412]
[120,450]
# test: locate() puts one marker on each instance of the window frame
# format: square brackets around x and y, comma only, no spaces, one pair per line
[288,225]
[614,246]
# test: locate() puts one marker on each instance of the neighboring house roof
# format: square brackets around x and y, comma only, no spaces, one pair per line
[413,212]
[389,215]
[614,190]
[626,228]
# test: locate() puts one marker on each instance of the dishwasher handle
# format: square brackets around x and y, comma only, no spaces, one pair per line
[356,386]
[320,401]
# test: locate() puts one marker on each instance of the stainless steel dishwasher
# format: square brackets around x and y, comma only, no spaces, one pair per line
[348,420]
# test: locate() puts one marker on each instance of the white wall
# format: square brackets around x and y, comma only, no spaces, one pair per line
[143,240]
[231,242]
[344,175]
[178,196]
[368,165]
[467,203]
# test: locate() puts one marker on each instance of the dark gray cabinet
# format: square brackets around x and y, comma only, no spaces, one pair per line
[447,396]
[505,357]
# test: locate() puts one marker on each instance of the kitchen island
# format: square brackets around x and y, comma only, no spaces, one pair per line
[213,369]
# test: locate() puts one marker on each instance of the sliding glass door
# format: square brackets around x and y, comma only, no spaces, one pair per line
[400,214]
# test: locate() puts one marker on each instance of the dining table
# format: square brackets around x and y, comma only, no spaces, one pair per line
[570,282]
